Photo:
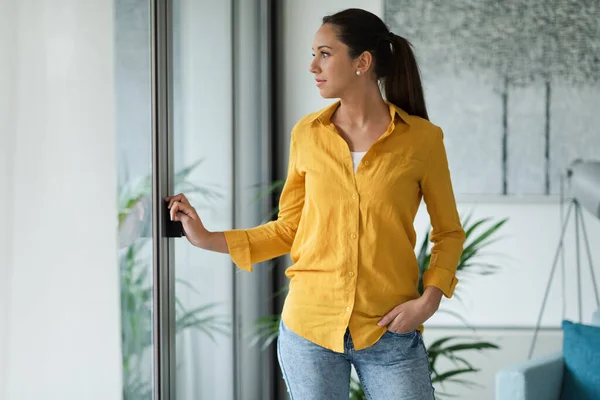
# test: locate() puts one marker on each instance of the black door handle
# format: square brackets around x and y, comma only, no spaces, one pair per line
[173,229]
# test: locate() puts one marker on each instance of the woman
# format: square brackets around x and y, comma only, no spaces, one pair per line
[357,172]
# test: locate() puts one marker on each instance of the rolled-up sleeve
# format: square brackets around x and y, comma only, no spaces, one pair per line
[447,235]
[275,238]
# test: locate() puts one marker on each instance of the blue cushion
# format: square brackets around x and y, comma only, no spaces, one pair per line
[581,350]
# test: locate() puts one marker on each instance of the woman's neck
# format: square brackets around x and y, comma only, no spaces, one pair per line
[360,110]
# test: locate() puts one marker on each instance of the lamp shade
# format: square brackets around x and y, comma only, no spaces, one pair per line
[585,185]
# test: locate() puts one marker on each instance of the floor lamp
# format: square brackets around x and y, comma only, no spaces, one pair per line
[584,184]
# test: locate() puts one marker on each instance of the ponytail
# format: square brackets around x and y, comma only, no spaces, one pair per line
[402,85]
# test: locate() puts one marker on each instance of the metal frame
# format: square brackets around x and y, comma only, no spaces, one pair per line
[236,351]
[164,288]
[252,131]
[278,148]
[270,364]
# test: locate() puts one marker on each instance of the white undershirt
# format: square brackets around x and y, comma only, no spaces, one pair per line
[356,157]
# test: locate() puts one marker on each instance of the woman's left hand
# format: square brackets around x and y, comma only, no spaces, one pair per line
[408,316]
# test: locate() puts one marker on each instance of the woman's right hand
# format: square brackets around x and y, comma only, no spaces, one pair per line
[180,209]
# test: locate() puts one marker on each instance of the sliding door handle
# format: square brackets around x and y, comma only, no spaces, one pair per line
[173,229]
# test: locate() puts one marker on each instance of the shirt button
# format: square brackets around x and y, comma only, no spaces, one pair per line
[353,195]
[351,273]
[366,162]
[348,309]
[353,236]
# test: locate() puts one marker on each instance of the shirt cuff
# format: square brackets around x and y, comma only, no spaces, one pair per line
[239,248]
[440,278]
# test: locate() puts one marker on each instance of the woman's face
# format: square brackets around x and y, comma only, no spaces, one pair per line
[332,67]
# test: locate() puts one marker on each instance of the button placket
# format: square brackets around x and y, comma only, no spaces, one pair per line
[353,235]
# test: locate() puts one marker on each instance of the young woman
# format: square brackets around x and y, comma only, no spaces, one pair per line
[357,172]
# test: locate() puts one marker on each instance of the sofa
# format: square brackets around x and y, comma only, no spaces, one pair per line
[541,378]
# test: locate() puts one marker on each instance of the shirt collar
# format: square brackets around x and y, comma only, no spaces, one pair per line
[324,116]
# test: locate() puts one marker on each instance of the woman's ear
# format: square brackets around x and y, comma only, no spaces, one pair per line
[365,61]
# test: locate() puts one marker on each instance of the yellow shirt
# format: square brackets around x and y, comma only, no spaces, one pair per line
[350,235]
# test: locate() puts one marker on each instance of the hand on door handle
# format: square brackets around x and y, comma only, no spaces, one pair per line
[181,210]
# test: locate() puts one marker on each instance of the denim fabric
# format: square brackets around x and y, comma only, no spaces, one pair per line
[394,368]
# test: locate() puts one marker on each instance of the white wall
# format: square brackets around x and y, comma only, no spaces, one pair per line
[6,127]
[525,251]
[60,301]
[509,299]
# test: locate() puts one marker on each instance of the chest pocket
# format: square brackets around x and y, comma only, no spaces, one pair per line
[395,174]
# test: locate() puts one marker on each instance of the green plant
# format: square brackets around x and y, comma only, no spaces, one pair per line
[475,242]
[137,289]
[478,237]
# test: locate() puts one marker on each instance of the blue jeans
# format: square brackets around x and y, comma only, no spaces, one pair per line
[394,368]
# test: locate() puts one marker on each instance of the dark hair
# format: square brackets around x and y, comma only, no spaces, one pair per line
[395,62]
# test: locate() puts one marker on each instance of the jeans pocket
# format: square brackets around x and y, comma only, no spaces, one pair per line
[404,335]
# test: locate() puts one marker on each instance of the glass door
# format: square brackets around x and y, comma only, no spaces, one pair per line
[221,161]
[174,135]
[203,160]
[188,315]
[134,125]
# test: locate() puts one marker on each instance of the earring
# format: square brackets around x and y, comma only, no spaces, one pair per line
[357,72]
